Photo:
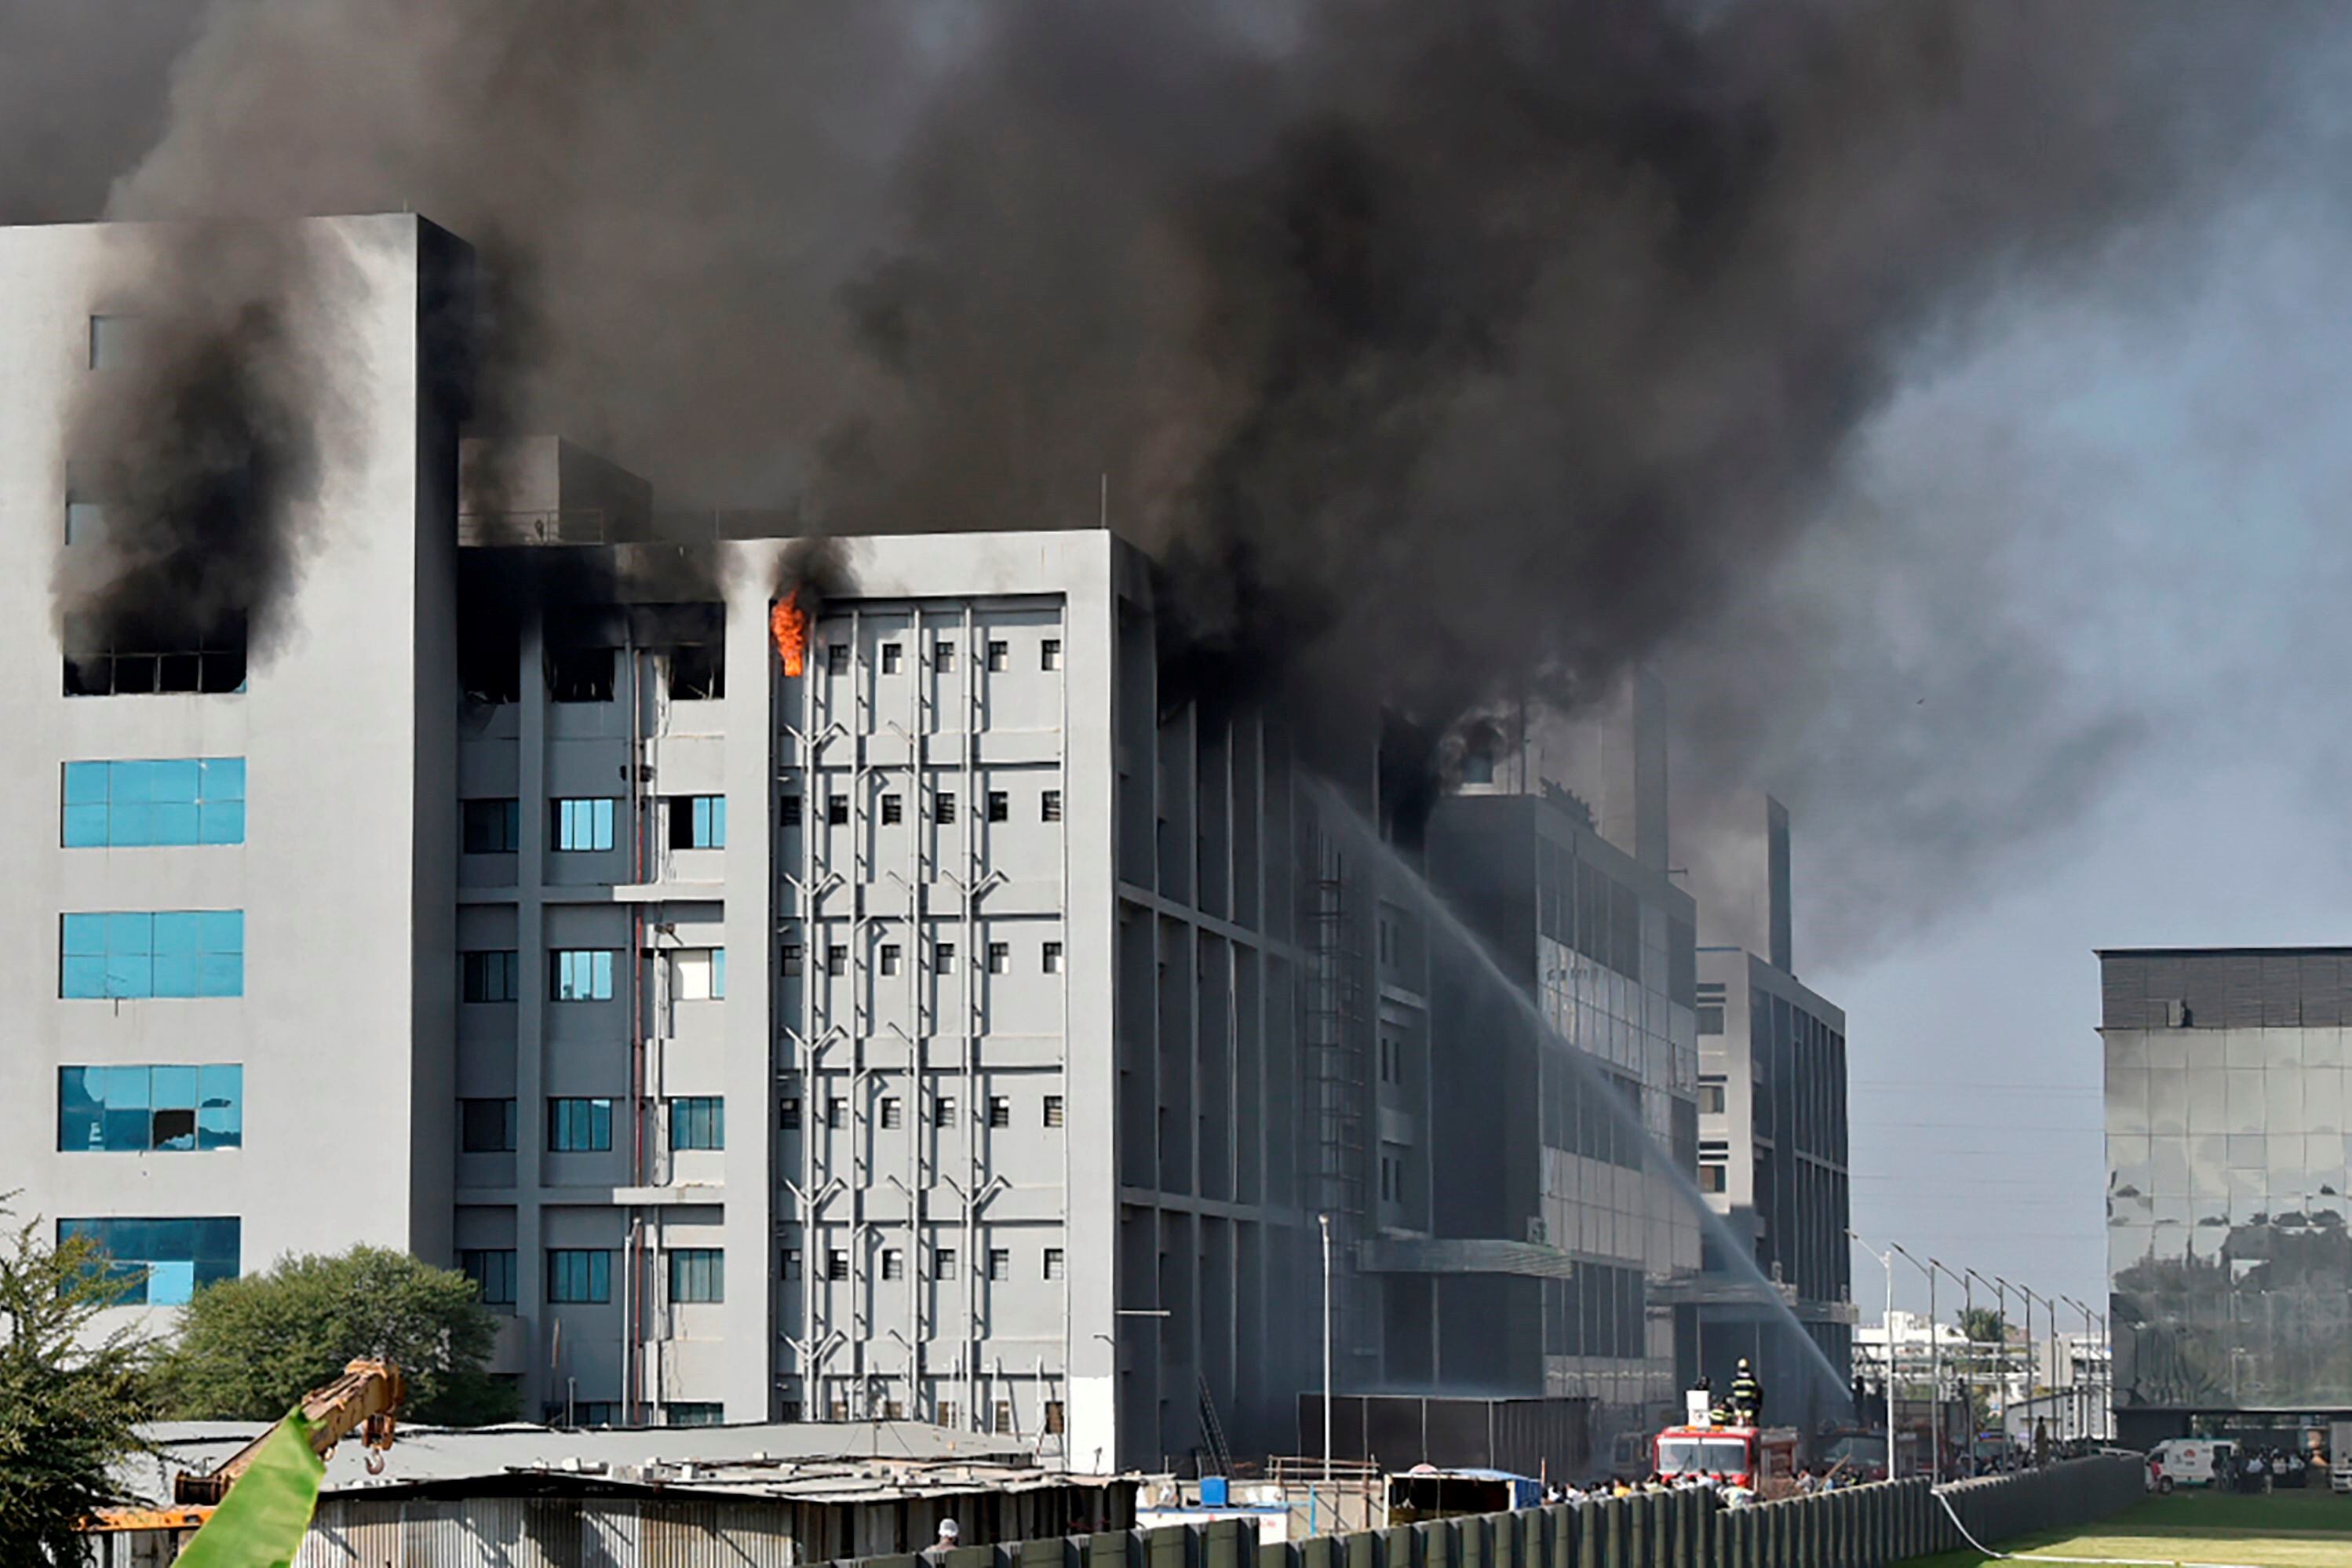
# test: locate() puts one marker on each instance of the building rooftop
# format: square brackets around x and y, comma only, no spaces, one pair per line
[2314,950]
[810,1462]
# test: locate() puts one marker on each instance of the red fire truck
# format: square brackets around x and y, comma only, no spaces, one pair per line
[1761,1458]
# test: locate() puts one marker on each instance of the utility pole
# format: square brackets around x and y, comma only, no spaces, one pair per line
[1935,1372]
[2001,1345]
[1887,1323]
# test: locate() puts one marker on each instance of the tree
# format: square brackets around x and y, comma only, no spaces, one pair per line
[249,1349]
[1983,1325]
[71,1397]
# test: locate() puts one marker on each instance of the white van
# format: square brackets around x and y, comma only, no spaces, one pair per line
[2191,1462]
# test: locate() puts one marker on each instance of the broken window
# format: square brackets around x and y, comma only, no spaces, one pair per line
[214,664]
[580,674]
[697,821]
[697,672]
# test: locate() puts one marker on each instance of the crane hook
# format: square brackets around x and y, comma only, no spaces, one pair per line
[373,1461]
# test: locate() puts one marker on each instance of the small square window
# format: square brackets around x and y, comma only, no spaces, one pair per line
[889,958]
[1049,654]
[943,807]
[891,1112]
[943,1262]
[944,1111]
[837,1111]
[943,957]
[949,1412]
[836,656]
[1049,805]
[1053,1263]
[788,812]
[999,655]
[793,958]
[837,810]
[1053,1111]
[943,657]
[1053,1418]
[790,1263]
[1003,1415]
[1000,1110]
[889,658]
[1053,956]
[999,806]
[837,1265]
[1000,957]
[1000,1263]
[788,1113]
[894,1264]
[894,1410]
[491,827]
[487,1126]
[836,960]
[893,810]
[584,824]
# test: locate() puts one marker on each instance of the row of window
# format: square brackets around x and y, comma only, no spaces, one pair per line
[998,654]
[889,958]
[890,1112]
[164,1262]
[585,824]
[582,1276]
[585,974]
[583,1124]
[174,952]
[1052,1264]
[156,802]
[891,809]
[150,1109]
[944,1412]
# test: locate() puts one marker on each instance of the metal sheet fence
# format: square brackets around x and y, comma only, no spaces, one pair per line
[1874,1526]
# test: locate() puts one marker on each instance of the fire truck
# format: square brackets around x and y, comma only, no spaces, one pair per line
[1763,1460]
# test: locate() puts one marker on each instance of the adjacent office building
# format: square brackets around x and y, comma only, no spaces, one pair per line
[2228,1156]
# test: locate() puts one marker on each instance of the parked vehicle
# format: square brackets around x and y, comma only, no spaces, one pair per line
[2191,1462]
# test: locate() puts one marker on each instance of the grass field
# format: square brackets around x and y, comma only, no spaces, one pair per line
[2285,1529]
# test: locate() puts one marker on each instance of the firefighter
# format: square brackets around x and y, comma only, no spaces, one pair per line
[1747,1395]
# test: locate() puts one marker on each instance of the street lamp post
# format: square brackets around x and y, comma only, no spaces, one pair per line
[2028,1297]
[2001,1345]
[1886,1323]
[2090,1368]
[1934,1371]
[1967,1384]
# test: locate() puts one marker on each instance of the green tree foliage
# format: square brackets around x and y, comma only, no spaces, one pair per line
[71,1397]
[249,1349]
[1983,1326]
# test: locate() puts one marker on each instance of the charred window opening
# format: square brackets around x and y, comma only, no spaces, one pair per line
[697,672]
[579,673]
[490,663]
[690,641]
[139,667]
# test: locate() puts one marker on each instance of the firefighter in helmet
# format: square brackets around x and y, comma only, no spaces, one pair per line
[1747,1395]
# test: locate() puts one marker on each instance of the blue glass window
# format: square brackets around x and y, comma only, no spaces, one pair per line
[578,1126]
[493,1271]
[579,1275]
[584,824]
[488,977]
[162,801]
[698,1274]
[694,1412]
[174,952]
[150,1109]
[700,1122]
[490,826]
[581,974]
[719,973]
[697,821]
[167,1260]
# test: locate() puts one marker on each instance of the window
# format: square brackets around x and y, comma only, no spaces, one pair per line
[579,1276]
[488,976]
[836,656]
[85,520]
[699,1121]
[486,1126]
[697,974]
[694,1412]
[697,821]
[1000,1263]
[889,658]
[581,974]
[890,1110]
[1000,957]
[1053,1111]
[999,655]
[999,806]
[893,1410]
[836,960]
[838,1410]
[889,958]
[492,1271]
[1049,805]
[949,1413]
[1049,654]
[169,800]
[1478,768]
[1710,1096]
[792,1410]
[697,672]
[184,952]
[790,1263]
[894,1264]
[113,342]
[1053,958]
[788,1113]
[894,810]
[788,811]
[1710,1018]
[1053,1417]
[1003,1415]
[943,957]
[163,1262]
[943,657]
[1000,1110]
[837,1111]
[490,826]
[943,1262]
[584,1412]
[793,959]
[698,1274]
[576,674]
[944,1111]
[1053,1263]
[943,807]
[578,1126]
[147,1109]
[584,824]
[837,810]
[215,664]
[1713,1178]
[837,1265]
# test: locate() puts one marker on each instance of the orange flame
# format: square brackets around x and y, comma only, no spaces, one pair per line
[790,623]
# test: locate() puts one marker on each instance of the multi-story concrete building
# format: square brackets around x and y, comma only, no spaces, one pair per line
[1053,998]
[1772,1114]
[2229,1160]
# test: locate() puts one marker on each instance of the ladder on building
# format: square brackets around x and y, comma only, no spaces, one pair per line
[1212,1432]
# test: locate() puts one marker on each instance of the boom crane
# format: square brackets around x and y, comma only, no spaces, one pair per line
[365,1400]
